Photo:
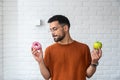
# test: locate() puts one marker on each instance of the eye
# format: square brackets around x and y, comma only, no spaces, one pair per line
[54,29]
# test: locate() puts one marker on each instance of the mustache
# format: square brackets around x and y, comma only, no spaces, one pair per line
[54,35]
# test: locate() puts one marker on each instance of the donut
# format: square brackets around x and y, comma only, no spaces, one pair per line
[36,45]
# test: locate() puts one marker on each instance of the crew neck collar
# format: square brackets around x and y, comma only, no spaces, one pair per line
[65,44]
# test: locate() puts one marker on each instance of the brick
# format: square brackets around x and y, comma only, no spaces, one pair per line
[1,4]
[115,3]
[10,4]
[104,3]
[5,8]
[89,3]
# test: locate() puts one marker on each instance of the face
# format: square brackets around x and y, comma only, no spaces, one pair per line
[57,31]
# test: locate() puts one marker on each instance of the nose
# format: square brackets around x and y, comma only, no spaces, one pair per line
[53,33]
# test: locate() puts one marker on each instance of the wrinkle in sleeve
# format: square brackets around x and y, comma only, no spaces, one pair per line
[88,57]
[46,58]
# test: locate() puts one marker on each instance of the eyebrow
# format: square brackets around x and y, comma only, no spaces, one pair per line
[53,27]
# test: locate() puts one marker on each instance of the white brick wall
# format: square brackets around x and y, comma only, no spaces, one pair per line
[91,20]
[10,64]
[1,54]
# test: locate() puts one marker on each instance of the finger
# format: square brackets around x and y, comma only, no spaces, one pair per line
[32,49]
[100,52]
[34,52]
[95,53]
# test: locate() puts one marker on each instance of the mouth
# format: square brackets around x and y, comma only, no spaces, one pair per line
[54,36]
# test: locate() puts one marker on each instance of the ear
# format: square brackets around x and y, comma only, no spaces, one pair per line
[66,28]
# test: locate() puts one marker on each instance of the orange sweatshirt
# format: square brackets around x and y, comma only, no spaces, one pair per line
[67,62]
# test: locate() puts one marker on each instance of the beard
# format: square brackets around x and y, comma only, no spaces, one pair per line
[58,38]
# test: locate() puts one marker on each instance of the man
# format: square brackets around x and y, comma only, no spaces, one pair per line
[66,59]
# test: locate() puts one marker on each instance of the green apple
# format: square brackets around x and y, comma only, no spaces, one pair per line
[97,45]
[100,44]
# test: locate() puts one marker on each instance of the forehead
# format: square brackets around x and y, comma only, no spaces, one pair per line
[54,24]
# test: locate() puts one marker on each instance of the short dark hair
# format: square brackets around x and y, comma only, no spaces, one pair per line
[61,19]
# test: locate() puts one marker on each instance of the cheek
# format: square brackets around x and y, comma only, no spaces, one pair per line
[59,33]
[63,32]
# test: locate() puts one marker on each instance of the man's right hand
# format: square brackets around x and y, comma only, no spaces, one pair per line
[37,54]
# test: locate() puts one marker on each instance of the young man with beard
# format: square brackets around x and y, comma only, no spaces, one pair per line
[66,59]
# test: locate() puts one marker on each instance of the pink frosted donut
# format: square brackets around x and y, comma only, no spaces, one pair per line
[36,45]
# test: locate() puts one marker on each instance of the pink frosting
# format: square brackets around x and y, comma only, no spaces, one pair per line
[36,45]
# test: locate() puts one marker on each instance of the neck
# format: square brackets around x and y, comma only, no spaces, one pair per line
[66,40]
